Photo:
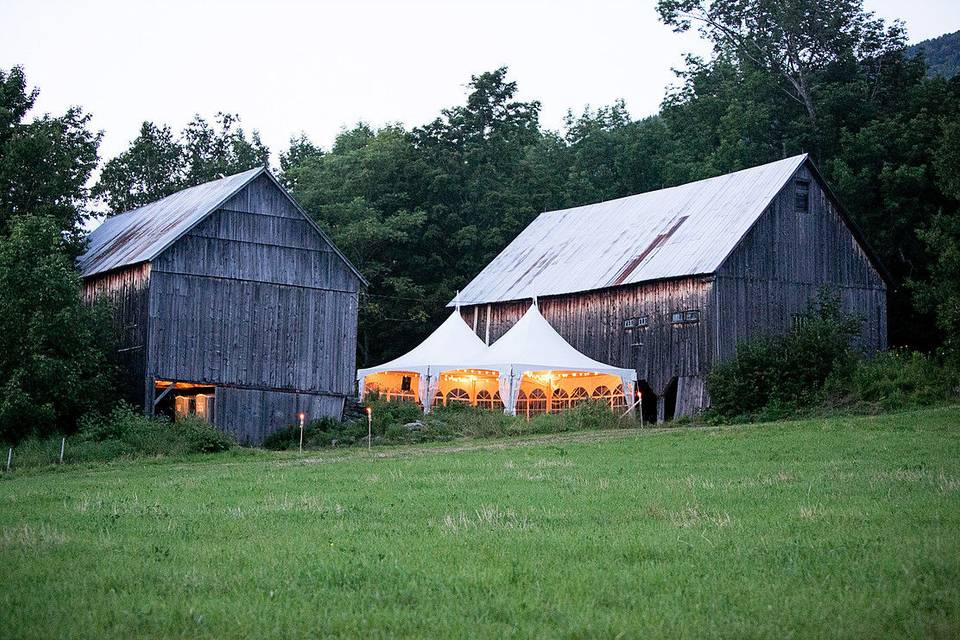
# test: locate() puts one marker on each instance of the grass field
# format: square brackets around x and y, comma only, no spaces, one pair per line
[844,527]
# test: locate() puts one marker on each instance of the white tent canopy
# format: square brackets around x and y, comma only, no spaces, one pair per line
[453,345]
[533,345]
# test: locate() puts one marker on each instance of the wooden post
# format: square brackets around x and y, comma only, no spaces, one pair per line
[63,443]
[486,337]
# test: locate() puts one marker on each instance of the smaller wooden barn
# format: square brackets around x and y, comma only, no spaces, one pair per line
[231,304]
[669,282]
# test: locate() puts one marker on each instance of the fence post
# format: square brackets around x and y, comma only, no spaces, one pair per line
[9,458]
[63,443]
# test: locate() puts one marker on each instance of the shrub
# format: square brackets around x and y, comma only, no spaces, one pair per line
[316,433]
[390,420]
[132,433]
[124,433]
[896,379]
[773,378]
[199,436]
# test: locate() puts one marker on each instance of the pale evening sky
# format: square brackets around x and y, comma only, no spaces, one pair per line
[291,66]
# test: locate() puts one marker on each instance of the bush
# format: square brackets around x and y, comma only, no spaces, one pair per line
[322,432]
[391,420]
[772,378]
[124,433]
[127,430]
[896,379]
[53,362]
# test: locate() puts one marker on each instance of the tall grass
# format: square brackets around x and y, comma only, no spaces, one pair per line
[123,433]
[399,422]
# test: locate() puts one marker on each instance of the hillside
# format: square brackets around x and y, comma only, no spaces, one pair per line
[826,528]
[942,54]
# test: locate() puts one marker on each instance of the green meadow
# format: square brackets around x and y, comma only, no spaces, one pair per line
[839,527]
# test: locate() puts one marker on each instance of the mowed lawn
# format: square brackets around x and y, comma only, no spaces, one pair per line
[843,528]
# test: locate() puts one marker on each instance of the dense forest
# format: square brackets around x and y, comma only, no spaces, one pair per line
[942,54]
[420,210]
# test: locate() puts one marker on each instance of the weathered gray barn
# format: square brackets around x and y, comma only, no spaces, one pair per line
[669,282]
[230,304]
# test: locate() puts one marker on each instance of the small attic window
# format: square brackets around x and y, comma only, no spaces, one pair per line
[802,196]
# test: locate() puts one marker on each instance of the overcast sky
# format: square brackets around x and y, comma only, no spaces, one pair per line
[289,66]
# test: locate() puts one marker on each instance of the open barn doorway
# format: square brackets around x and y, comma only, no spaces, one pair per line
[670,400]
[648,402]
[177,400]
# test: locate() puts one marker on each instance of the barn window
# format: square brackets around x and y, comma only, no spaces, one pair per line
[688,315]
[803,196]
[629,323]
[643,321]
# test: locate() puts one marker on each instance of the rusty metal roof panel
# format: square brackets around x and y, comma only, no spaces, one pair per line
[140,235]
[685,230]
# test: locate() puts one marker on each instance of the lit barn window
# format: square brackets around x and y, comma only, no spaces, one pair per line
[803,196]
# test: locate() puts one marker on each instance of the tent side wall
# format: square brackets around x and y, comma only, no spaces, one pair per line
[594,322]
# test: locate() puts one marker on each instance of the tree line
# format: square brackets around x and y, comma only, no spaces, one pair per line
[420,210]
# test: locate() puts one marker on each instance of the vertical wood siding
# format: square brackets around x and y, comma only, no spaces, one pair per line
[593,322]
[126,291]
[772,275]
[250,415]
[782,264]
[254,301]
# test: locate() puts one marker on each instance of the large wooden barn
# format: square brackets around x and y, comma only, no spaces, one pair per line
[669,282]
[231,304]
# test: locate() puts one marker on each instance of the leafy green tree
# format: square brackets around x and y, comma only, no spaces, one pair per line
[45,163]
[214,151]
[53,368]
[796,42]
[154,166]
[941,292]
[361,194]
[158,163]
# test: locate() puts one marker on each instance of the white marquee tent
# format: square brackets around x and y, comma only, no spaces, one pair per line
[452,346]
[531,363]
[533,351]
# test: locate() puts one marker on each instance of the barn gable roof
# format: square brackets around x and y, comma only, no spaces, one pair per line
[680,231]
[142,234]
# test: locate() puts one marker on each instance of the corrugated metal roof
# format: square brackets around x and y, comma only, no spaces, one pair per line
[684,230]
[140,235]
